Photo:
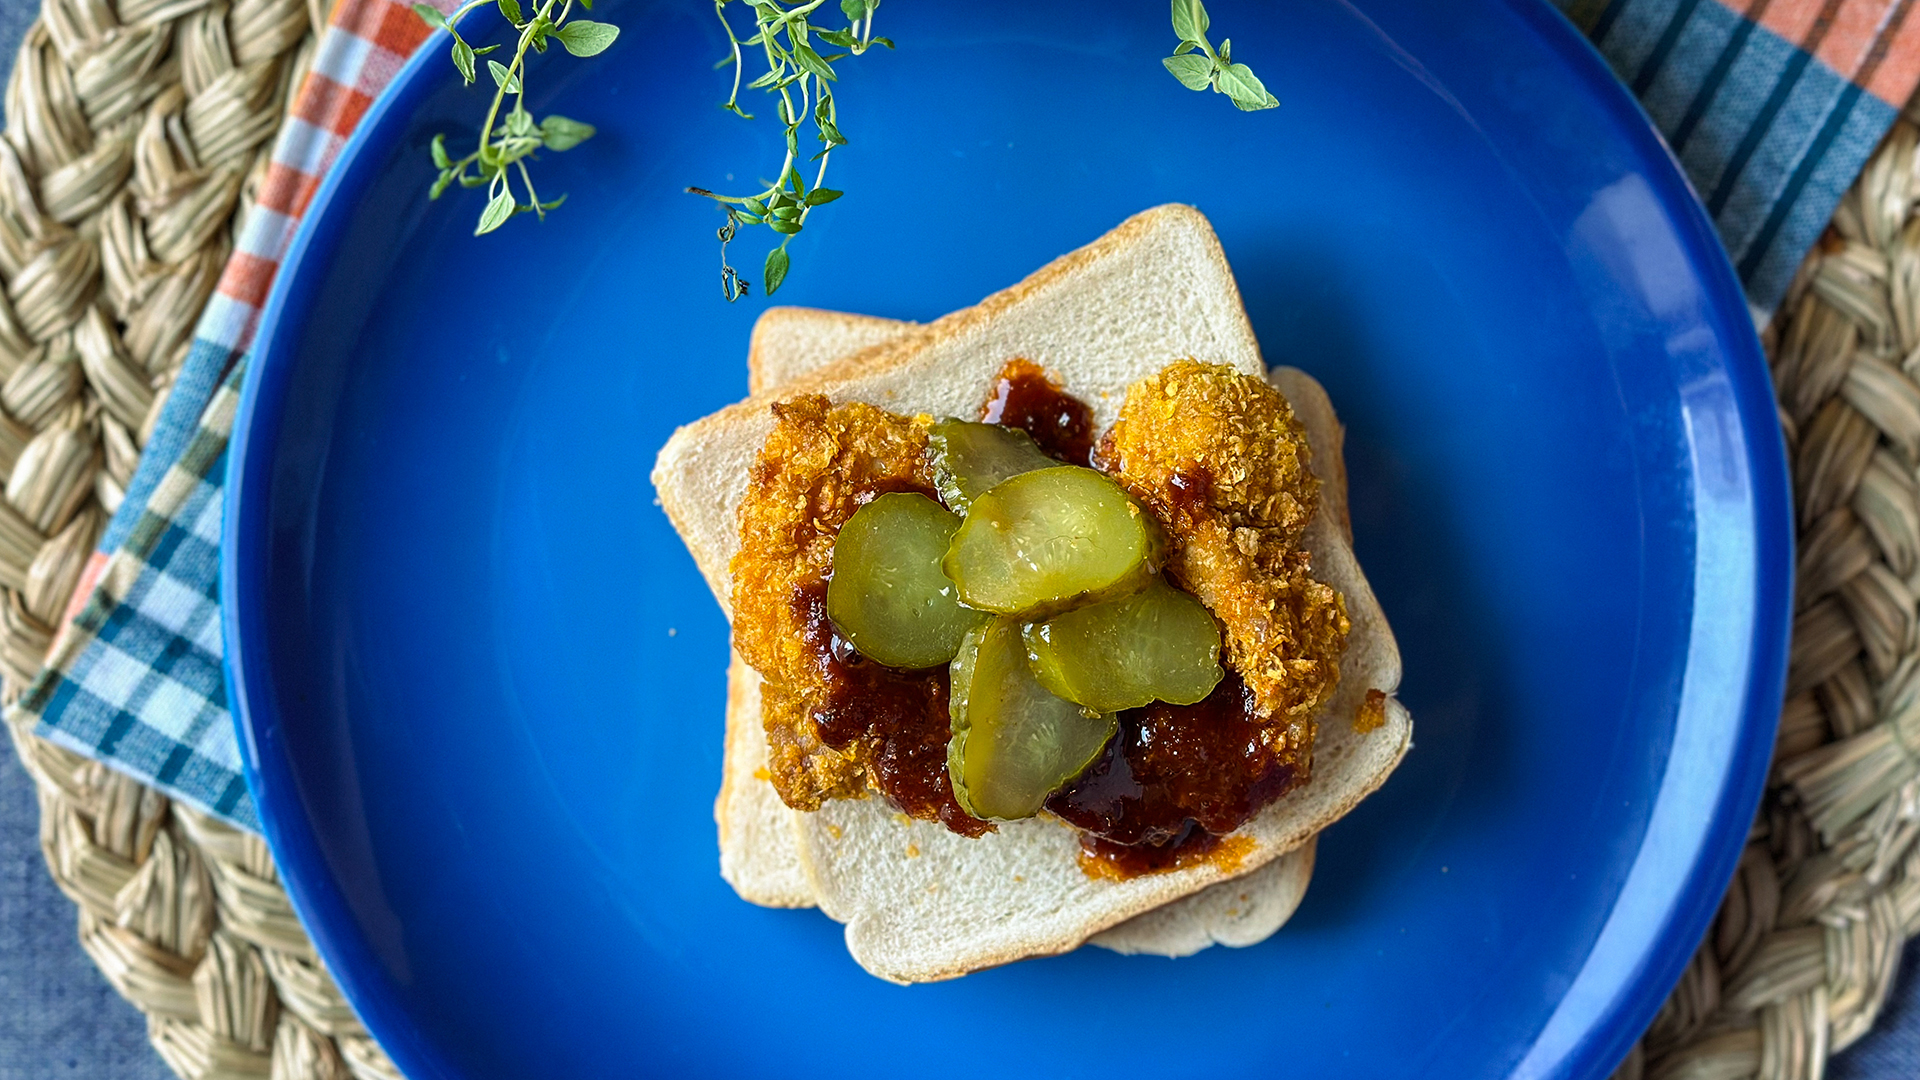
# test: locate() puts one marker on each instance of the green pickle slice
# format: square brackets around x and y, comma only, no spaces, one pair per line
[1042,540]
[1159,644]
[888,595]
[1013,742]
[970,458]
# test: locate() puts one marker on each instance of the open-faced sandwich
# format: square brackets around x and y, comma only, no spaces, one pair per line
[1047,625]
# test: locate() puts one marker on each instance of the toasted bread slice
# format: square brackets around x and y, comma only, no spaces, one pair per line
[759,852]
[789,342]
[921,903]
[959,905]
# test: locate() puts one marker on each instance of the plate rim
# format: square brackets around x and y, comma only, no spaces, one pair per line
[322,910]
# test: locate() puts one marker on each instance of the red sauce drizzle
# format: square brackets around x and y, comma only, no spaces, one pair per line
[1023,397]
[902,714]
[1169,785]
[1173,780]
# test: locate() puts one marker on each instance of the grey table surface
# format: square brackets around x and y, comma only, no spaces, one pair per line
[59,1018]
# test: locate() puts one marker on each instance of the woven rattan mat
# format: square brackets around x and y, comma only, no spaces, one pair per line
[136,134]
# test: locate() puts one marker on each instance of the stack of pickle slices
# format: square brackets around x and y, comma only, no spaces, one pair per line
[1039,584]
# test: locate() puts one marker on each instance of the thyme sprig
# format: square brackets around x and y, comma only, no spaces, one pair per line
[1204,68]
[508,141]
[801,80]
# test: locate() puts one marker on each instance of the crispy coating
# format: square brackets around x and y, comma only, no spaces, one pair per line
[805,771]
[1220,459]
[821,463]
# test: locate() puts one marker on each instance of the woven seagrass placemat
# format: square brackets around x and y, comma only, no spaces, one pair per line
[136,134]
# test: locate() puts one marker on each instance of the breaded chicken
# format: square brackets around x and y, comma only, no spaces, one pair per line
[1220,460]
[821,463]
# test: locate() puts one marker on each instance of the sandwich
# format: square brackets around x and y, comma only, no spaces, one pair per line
[1189,683]
[759,854]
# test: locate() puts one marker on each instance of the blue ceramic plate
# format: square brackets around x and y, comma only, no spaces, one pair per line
[481,683]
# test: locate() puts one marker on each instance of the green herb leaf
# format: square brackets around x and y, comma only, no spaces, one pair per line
[820,196]
[1194,72]
[584,37]
[439,150]
[511,10]
[502,78]
[560,133]
[811,62]
[1216,69]
[463,60]
[440,185]
[780,225]
[431,16]
[1248,93]
[1190,20]
[842,38]
[488,49]
[498,210]
[776,269]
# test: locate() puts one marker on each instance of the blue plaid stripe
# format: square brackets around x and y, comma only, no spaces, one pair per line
[205,367]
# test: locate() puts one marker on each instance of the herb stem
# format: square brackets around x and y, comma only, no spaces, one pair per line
[788,42]
[719,12]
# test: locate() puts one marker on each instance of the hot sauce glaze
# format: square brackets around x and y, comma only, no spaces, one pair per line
[1023,397]
[900,717]
[1172,781]
[1169,786]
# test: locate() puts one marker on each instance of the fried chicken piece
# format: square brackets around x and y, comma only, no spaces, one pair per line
[1221,461]
[805,771]
[821,463]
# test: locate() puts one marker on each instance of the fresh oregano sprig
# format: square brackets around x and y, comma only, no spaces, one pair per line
[1197,71]
[508,140]
[801,80]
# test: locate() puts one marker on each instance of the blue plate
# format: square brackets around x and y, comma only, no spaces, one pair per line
[481,683]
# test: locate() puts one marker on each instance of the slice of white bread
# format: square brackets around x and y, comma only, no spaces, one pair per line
[759,853]
[958,905]
[921,903]
[789,342]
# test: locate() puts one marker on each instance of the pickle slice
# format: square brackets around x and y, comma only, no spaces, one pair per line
[1013,742]
[888,595]
[969,458]
[1158,644]
[1042,540]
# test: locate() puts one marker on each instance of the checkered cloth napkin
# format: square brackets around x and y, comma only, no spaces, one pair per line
[1771,105]
[135,678]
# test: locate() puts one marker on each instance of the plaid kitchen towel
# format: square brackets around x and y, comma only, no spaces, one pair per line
[1771,105]
[135,677]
